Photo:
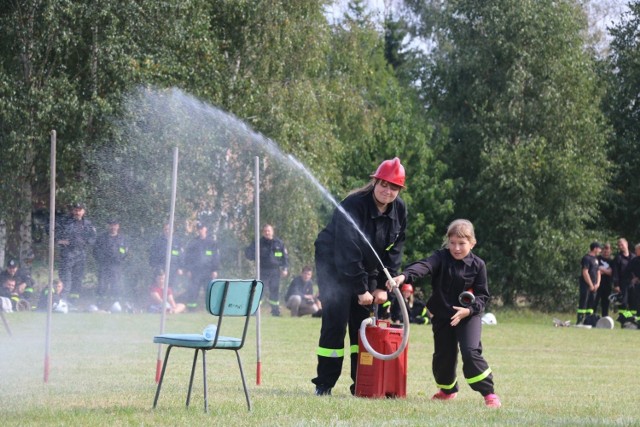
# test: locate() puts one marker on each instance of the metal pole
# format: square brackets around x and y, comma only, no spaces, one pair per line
[52,233]
[167,264]
[257,257]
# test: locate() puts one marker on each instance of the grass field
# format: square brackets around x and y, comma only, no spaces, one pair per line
[103,373]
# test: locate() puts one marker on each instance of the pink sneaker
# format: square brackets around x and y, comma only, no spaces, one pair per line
[492,401]
[441,395]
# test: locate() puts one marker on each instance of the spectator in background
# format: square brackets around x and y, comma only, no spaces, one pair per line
[110,252]
[202,261]
[299,297]
[24,282]
[156,296]
[589,281]
[416,308]
[632,277]
[75,235]
[274,263]
[158,254]
[621,279]
[8,290]
[43,302]
[606,274]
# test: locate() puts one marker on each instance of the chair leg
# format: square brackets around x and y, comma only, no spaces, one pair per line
[164,368]
[204,376]
[244,383]
[193,370]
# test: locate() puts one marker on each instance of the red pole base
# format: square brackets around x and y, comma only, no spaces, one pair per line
[259,373]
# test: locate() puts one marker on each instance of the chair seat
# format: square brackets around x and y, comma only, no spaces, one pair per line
[196,341]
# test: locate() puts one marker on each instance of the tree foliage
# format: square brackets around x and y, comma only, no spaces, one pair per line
[623,110]
[518,96]
[282,78]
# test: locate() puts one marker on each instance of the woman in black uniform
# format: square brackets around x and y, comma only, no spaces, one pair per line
[367,230]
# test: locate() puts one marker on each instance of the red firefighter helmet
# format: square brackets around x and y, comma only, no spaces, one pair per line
[391,171]
[407,287]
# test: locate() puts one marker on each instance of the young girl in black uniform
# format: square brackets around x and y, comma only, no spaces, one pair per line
[455,269]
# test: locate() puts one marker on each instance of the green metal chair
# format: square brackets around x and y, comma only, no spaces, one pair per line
[225,298]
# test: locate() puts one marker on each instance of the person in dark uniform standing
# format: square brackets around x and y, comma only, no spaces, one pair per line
[632,297]
[74,237]
[202,261]
[110,252]
[621,279]
[453,270]
[366,233]
[602,295]
[589,281]
[274,264]
[158,255]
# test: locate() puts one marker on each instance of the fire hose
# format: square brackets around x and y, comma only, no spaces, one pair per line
[371,321]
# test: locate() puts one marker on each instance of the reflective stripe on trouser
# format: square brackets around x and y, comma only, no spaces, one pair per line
[271,279]
[340,311]
[466,337]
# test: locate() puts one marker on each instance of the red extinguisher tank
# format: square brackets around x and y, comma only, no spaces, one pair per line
[382,378]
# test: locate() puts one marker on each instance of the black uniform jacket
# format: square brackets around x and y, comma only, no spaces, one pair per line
[450,277]
[341,245]
[273,254]
[81,234]
[202,256]
[110,250]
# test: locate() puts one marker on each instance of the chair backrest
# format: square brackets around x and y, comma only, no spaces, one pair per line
[234,297]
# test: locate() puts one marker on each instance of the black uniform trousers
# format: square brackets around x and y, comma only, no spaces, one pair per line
[71,273]
[602,298]
[340,309]
[465,336]
[271,279]
[586,300]
[109,281]
[199,280]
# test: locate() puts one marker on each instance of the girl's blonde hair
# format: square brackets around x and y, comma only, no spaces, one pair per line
[462,228]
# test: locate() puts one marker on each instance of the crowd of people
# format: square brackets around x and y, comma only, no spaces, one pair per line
[76,239]
[607,280]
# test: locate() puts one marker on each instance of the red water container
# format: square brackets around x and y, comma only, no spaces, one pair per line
[382,378]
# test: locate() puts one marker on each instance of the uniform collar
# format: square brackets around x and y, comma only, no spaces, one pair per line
[468,260]
[391,211]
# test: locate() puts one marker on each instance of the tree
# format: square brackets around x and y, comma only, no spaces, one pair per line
[517,97]
[623,109]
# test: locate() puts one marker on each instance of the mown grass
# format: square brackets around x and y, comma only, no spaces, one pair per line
[103,370]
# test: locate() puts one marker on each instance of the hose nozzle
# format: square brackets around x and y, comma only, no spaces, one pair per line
[466,298]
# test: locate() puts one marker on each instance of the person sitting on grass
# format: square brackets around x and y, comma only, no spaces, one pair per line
[156,293]
[43,302]
[416,308]
[299,297]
